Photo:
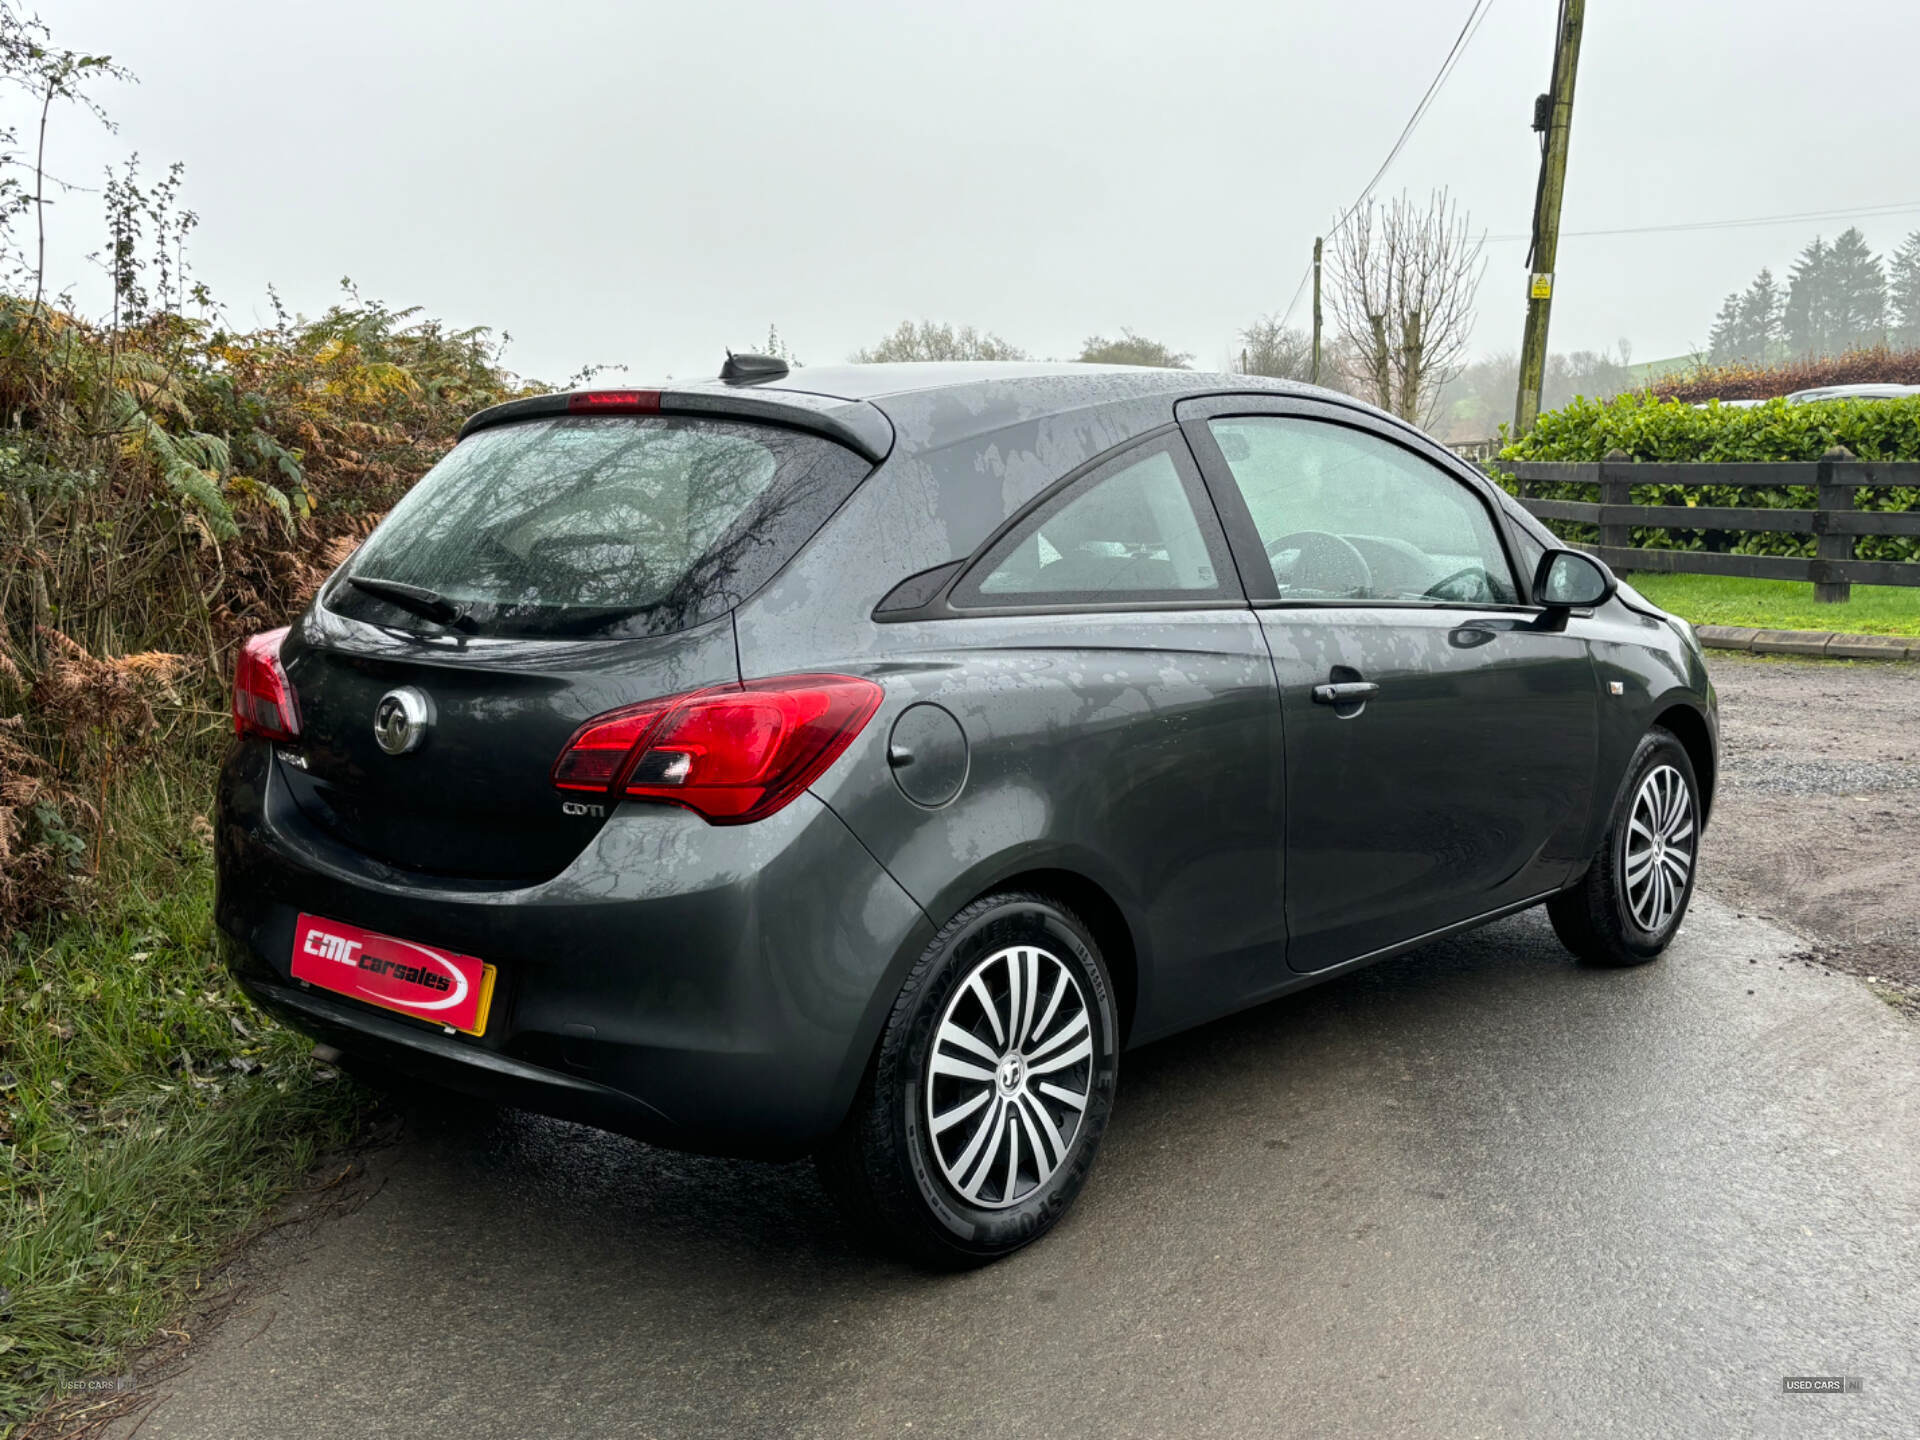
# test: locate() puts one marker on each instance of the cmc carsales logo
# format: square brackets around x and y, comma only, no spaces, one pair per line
[331,947]
[398,974]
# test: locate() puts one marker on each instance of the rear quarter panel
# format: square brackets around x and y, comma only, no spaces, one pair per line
[1139,752]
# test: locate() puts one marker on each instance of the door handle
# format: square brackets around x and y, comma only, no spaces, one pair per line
[1345,692]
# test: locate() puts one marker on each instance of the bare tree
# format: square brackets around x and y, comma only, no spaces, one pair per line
[930,341]
[1132,349]
[1472,405]
[1404,280]
[1268,347]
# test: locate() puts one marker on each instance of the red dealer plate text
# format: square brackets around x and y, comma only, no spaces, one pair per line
[435,985]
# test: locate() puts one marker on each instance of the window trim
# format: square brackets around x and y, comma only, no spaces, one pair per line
[1229,592]
[1243,536]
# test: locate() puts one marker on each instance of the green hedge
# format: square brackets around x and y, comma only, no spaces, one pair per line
[1676,432]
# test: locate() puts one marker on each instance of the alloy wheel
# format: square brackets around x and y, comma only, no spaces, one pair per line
[1660,848]
[1008,1076]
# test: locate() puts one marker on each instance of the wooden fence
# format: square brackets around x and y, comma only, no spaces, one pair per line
[1833,520]
[1478,451]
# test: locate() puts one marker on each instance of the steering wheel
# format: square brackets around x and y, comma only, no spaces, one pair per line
[1327,563]
[1438,590]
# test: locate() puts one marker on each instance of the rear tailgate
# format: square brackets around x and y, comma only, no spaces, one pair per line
[473,797]
[550,568]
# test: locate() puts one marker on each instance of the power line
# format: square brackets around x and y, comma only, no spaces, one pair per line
[1865,212]
[1305,275]
[1460,42]
[1468,29]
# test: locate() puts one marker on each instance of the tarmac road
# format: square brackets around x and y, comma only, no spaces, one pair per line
[1477,1191]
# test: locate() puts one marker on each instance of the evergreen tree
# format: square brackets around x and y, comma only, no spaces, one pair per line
[1748,325]
[1726,341]
[1808,315]
[1760,317]
[1856,291]
[1903,292]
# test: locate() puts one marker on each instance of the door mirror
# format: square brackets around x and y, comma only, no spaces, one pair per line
[1570,578]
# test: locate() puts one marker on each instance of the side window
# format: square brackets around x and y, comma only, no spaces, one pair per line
[1139,529]
[1528,547]
[1346,515]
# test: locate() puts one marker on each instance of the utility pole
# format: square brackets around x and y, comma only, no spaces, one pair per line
[1553,118]
[1316,309]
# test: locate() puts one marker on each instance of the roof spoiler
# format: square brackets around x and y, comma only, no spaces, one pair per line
[853,423]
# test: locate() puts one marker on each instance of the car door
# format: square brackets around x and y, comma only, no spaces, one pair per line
[1440,731]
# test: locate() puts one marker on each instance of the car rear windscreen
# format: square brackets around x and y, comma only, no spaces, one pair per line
[600,524]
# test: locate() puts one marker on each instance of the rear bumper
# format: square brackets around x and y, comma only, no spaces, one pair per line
[706,987]
[402,1046]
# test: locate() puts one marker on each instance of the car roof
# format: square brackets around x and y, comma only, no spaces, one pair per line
[885,381]
[915,407]
[936,404]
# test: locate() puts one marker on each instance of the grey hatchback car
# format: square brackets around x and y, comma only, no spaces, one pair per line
[856,761]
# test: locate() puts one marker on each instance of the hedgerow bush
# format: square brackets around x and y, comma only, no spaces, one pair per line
[1744,380]
[169,482]
[1648,428]
[169,486]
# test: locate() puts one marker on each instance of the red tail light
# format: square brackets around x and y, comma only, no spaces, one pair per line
[734,753]
[263,703]
[614,402]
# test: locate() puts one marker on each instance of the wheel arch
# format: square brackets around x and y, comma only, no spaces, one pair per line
[1103,916]
[1689,727]
[1054,876]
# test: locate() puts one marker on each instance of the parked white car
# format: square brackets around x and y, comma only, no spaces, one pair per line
[1852,392]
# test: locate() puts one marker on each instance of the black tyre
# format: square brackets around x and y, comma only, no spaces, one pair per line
[982,1111]
[1629,905]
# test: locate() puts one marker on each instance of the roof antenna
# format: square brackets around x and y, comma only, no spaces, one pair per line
[749,369]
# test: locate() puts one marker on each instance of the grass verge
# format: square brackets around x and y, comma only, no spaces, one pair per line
[147,1112]
[1782,604]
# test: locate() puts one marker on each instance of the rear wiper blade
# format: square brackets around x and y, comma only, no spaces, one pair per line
[428,604]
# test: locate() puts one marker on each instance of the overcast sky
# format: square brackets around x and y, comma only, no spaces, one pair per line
[647,183]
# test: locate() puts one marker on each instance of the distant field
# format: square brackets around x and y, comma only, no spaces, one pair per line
[1648,371]
[1782,604]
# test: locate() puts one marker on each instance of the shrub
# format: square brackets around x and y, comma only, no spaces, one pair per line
[168,487]
[1743,380]
[1652,429]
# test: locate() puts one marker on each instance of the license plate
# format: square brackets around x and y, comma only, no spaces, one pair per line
[400,975]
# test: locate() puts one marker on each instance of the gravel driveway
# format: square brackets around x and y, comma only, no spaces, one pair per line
[1817,823]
